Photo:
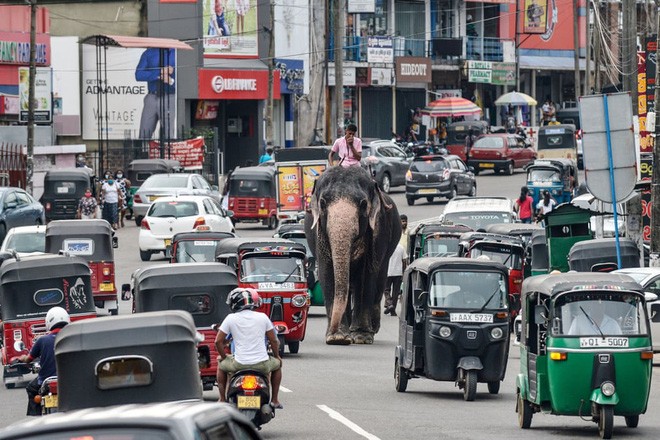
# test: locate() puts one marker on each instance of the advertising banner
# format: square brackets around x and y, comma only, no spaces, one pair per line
[382,77]
[292,76]
[646,145]
[535,17]
[207,109]
[289,187]
[504,74]
[190,153]
[645,138]
[310,174]
[350,76]
[230,28]
[236,84]
[646,172]
[380,50]
[43,91]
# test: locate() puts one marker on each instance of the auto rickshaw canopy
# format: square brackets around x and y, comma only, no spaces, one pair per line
[299,154]
[599,255]
[81,178]
[139,170]
[431,264]
[555,284]
[237,245]
[90,239]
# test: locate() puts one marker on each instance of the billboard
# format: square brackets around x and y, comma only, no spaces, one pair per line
[137,91]
[42,94]
[536,16]
[230,28]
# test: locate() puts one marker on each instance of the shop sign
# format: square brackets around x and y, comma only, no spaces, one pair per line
[350,77]
[292,76]
[15,48]
[190,152]
[480,76]
[43,90]
[448,93]
[382,77]
[358,6]
[504,74]
[483,65]
[413,70]
[207,109]
[236,84]
[380,50]
[9,105]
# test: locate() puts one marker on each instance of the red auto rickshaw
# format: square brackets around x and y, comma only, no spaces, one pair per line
[276,268]
[94,241]
[252,195]
[29,287]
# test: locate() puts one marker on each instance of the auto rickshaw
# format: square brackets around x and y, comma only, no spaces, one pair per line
[140,358]
[599,255]
[31,286]
[454,324]
[169,287]
[94,241]
[557,141]
[435,239]
[558,176]
[63,189]
[198,246]
[538,251]
[565,225]
[252,196]
[458,131]
[140,170]
[585,349]
[276,269]
[524,232]
[468,239]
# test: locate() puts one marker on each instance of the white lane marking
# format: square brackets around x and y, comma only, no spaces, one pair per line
[285,390]
[355,428]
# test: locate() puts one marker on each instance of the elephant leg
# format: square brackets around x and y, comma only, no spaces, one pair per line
[380,285]
[361,327]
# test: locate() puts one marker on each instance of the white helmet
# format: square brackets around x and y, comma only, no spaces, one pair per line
[56,315]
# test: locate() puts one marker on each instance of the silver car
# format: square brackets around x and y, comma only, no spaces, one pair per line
[649,278]
[169,185]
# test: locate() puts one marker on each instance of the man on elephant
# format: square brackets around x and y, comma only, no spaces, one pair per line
[348,148]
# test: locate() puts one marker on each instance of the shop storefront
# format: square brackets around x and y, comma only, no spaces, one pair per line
[413,75]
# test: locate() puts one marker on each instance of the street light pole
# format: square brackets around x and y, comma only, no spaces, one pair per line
[31,81]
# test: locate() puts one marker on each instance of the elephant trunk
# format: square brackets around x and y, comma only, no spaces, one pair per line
[342,228]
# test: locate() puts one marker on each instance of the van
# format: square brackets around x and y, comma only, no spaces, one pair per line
[479,212]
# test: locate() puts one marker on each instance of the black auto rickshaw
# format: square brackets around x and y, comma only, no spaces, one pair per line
[63,189]
[538,250]
[524,232]
[140,358]
[435,239]
[169,287]
[599,255]
[252,195]
[198,246]
[454,324]
[31,286]
[140,170]
[94,241]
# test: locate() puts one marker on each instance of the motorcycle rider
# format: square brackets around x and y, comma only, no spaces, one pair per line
[248,329]
[44,349]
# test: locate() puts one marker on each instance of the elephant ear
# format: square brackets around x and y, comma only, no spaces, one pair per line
[314,207]
[377,202]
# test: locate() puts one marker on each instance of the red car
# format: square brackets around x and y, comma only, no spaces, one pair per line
[500,152]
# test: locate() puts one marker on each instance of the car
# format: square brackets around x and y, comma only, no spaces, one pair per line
[439,176]
[500,152]
[25,240]
[649,278]
[389,163]
[171,184]
[479,212]
[170,215]
[18,208]
[181,420]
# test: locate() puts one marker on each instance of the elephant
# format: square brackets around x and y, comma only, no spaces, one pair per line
[352,229]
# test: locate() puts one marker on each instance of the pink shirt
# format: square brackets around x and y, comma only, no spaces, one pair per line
[345,152]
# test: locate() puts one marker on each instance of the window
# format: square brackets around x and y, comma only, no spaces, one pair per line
[272,269]
[11,199]
[458,289]
[493,142]
[195,304]
[429,166]
[173,209]
[165,181]
[123,372]
[23,198]
[208,207]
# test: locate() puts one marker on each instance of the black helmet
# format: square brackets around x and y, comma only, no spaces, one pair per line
[243,298]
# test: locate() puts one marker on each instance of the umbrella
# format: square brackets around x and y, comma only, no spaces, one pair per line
[515,98]
[452,106]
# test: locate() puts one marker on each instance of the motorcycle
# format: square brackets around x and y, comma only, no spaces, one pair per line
[47,396]
[249,391]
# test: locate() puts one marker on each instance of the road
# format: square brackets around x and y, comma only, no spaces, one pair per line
[348,392]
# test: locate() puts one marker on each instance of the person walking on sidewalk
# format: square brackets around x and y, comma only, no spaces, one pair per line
[394,276]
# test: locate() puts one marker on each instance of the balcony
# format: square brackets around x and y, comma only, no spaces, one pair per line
[484,49]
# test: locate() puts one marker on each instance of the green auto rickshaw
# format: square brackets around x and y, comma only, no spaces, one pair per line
[585,349]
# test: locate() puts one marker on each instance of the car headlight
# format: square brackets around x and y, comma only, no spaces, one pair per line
[445,332]
[299,300]
[496,333]
[608,389]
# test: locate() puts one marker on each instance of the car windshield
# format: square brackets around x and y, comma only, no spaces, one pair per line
[165,181]
[440,247]
[478,220]
[63,188]
[429,166]
[272,269]
[31,242]
[556,138]
[114,433]
[541,175]
[249,188]
[599,313]
[508,256]
[196,251]
[489,142]
[468,290]
[173,209]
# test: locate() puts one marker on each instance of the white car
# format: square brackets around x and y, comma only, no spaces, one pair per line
[170,215]
[649,278]
[25,240]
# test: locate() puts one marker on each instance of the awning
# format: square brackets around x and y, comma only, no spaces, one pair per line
[135,42]
[530,62]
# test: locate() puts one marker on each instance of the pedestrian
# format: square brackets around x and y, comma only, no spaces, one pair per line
[124,186]
[545,205]
[87,206]
[403,241]
[111,201]
[524,205]
[348,148]
[395,269]
[548,110]
[469,143]
[268,155]
[554,121]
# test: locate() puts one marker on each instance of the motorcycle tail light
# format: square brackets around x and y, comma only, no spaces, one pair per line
[249,383]
[199,222]
[145,225]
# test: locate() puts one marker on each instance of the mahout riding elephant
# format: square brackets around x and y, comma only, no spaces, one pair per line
[352,229]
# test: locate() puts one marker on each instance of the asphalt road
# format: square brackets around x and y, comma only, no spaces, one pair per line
[348,392]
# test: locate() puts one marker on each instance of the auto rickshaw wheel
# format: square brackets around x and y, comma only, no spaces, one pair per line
[494,387]
[400,377]
[294,346]
[606,421]
[524,412]
[145,255]
[470,387]
[272,222]
[632,421]
[282,343]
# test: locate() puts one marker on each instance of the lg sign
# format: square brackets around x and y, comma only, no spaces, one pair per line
[220,84]
[236,84]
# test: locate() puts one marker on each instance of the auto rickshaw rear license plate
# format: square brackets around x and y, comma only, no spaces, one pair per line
[607,342]
[487,165]
[263,211]
[50,401]
[470,317]
[248,402]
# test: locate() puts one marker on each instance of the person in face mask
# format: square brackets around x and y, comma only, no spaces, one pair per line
[124,185]
[87,206]
[111,201]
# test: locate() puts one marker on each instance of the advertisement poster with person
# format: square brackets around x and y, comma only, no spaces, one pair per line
[230,28]
[535,16]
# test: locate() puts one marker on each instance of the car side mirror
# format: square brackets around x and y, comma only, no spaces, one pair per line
[229,213]
[650,297]
[126,292]
[540,314]
[214,187]
[655,312]
[471,169]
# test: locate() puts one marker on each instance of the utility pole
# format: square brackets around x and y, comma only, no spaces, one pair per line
[271,61]
[33,74]
[576,55]
[597,51]
[338,33]
[516,41]
[587,70]
[654,260]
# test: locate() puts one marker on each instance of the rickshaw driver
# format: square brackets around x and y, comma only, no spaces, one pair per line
[44,350]
[248,328]
[594,321]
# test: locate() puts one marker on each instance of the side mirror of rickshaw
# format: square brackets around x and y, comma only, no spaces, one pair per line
[540,314]
[230,213]
[115,242]
[19,346]
[418,297]
[655,312]
[125,292]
